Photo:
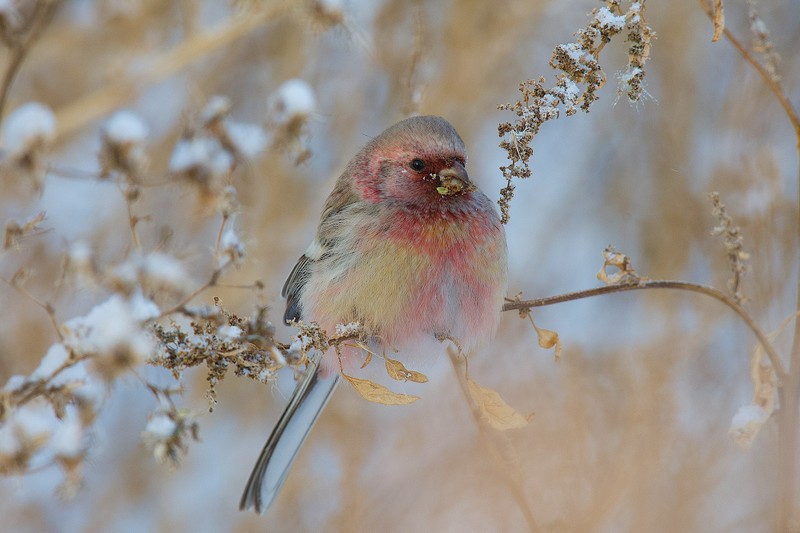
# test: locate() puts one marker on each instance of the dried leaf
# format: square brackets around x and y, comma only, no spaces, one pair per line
[549,339]
[494,409]
[620,261]
[399,372]
[377,393]
[16,230]
[367,359]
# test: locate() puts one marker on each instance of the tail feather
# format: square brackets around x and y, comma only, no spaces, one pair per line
[272,467]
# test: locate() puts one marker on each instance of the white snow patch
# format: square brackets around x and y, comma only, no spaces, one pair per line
[746,424]
[229,333]
[29,423]
[15,383]
[125,127]
[161,427]
[164,270]
[294,99]
[113,324]
[68,440]
[30,125]
[56,356]
[248,139]
[608,21]
[202,154]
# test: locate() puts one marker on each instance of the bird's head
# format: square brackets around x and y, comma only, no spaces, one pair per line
[418,161]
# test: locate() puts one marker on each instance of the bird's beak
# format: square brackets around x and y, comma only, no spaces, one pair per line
[454,180]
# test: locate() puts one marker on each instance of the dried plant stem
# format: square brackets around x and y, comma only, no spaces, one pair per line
[789,393]
[116,93]
[662,284]
[491,445]
[46,306]
[133,220]
[180,306]
[212,280]
[42,14]
[775,87]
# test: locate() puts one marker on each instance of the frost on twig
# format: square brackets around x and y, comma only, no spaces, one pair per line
[579,78]
[762,42]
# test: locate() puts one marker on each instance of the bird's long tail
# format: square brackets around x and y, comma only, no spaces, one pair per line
[269,473]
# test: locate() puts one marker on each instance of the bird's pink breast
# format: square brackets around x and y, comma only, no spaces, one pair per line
[423,274]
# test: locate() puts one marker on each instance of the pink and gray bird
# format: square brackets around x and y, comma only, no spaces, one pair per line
[407,246]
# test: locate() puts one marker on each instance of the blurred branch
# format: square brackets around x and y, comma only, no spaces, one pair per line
[789,394]
[773,85]
[22,43]
[109,97]
[525,305]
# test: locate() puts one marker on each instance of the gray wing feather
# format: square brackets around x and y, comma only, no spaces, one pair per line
[293,288]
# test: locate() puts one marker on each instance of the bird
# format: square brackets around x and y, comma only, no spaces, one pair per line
[408,247]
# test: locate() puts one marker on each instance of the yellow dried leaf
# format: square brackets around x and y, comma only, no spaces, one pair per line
[367,359]
[548,339]
[494,409]
[377,393]
[398,371]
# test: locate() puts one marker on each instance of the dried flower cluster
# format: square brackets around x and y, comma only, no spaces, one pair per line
[580,77]
[222,340]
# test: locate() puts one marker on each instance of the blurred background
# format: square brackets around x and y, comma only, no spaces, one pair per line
[630,426]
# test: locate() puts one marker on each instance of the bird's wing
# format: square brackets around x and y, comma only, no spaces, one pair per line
[327,235]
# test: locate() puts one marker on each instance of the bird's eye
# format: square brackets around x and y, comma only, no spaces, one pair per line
[418,165]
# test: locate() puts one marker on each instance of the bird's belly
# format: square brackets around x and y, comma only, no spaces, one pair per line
[402,295]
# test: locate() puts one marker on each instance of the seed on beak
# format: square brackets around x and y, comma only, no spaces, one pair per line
[454,180]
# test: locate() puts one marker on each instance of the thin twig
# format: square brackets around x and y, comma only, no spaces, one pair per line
[776,89]
[133,220]
[662,284]
[180,306]
[47,306]
[789,394]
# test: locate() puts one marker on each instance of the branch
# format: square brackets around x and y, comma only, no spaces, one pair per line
[780,371]
[774,86]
